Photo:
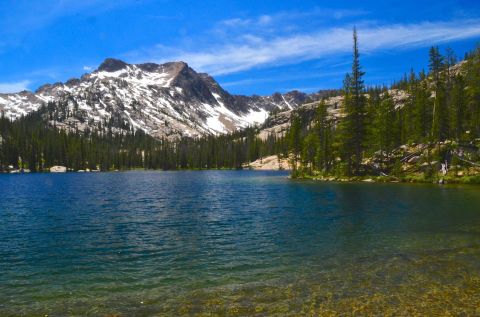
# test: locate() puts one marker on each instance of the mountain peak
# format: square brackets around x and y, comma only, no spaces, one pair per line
[167,100]
[112,65]
[151,67]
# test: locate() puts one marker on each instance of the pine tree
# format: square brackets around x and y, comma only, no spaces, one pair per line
[309,150]
[353,123]
[295,141]
[440,110]
[473,94]
[385,123]
[422,112]
[458,107]
[323,128]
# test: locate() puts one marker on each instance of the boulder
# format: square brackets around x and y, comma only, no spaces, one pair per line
[268,163]
[58,169]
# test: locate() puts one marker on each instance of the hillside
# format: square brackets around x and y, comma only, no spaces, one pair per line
[168,100]
[425,127]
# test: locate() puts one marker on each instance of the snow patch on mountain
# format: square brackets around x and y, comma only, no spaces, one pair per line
[168,100]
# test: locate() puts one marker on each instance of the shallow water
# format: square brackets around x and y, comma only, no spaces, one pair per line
[234,243]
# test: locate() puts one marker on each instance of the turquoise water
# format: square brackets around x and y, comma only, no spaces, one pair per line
[226,243]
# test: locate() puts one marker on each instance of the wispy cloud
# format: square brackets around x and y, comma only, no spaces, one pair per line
[14,86]
[248,51]
[291,16]
[282,78]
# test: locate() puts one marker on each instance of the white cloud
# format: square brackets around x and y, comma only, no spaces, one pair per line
[287,17]
[247,51]
[265,19]
[14,87]
[87,68]
[283,78]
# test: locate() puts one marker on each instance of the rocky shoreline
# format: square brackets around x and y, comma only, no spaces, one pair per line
[420,179]
[268,163]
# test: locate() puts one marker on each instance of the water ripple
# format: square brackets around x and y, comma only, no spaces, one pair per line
[233,243]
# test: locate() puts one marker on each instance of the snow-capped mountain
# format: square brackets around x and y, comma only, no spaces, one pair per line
[167,100]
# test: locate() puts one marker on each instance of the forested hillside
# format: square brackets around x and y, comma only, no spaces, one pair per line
[433,134]
[425,127]
[31,144]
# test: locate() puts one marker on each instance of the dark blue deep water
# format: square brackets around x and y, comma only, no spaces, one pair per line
[234,243]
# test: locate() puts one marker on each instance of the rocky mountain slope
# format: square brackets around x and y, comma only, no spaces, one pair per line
[168,100]
[278,123]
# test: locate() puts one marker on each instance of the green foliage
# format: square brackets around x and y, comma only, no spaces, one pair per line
[32,143]
[352,129]
[439,110]
[323,129]
[309,151]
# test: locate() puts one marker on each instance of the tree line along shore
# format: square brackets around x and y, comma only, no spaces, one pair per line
[433,135]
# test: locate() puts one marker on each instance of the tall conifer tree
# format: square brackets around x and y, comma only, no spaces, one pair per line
[353,126]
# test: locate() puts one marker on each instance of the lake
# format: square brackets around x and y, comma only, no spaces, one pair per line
[234,243]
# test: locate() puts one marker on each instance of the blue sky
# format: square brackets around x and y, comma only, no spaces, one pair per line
[250,47]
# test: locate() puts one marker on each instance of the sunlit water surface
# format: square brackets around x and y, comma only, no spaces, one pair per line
[234,243]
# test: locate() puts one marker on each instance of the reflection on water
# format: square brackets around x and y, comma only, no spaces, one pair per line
[234,243]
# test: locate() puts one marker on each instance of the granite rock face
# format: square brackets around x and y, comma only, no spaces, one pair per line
[164,100]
